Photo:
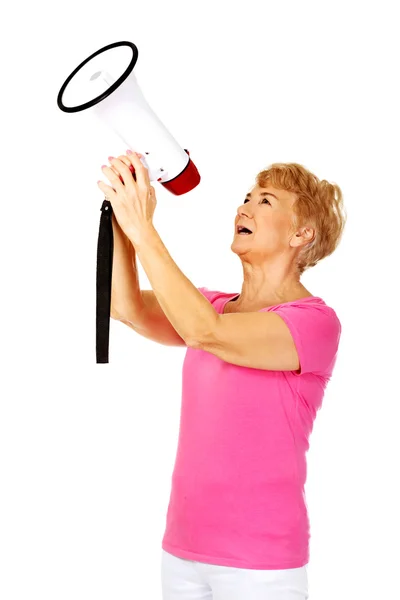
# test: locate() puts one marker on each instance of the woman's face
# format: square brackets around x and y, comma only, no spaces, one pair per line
[268,213]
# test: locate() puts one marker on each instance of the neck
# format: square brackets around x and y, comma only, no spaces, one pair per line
[260,287]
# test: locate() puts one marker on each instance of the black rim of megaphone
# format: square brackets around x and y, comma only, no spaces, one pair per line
[110,90]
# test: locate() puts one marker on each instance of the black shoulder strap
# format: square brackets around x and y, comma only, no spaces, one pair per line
[105,248]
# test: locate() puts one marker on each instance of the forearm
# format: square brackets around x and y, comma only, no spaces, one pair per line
[186,308]
[126,297]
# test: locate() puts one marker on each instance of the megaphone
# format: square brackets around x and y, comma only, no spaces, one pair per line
[105,84]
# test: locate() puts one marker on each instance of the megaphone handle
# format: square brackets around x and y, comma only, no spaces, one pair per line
[105,249]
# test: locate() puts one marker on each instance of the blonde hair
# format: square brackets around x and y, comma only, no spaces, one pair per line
[319,205]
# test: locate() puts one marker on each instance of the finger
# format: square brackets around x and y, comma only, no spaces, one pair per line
[125,172]
[130,166]
[117,184]
[125,160]
[142,173]
[108,191]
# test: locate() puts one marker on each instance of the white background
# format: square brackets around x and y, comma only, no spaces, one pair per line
[87,450]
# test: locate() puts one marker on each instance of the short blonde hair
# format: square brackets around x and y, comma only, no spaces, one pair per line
[319,205]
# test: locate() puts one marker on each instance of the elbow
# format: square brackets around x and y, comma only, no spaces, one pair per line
[206,336]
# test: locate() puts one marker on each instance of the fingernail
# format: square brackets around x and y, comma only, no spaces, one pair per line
[110,158]
[129,152]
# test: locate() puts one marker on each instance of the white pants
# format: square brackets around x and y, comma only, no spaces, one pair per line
[183,579]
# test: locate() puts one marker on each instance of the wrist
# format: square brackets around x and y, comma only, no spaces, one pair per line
[148,237]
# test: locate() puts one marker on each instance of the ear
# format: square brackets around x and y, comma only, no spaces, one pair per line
[303,236]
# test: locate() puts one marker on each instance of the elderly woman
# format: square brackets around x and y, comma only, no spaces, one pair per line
[254,375]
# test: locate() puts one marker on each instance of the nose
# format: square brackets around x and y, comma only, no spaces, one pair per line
[244,211]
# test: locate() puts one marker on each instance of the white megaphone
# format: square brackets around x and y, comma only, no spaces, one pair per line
[105,83]
[112,93]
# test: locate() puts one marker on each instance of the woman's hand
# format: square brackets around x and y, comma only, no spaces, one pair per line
[133,202]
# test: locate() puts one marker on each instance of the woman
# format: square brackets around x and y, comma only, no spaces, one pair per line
[254,377]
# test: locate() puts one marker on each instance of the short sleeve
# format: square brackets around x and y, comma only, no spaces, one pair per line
[316,331]
[204,290]
[209,294]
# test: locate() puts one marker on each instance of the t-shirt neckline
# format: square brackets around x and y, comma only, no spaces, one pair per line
[306,298]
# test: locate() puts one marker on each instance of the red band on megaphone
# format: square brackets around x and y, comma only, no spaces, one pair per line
[185,181]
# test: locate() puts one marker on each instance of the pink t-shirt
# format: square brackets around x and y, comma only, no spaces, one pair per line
[237,495]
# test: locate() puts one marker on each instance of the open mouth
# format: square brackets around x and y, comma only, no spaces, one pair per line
[243,231]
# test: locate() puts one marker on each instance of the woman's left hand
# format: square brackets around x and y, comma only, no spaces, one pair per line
[133,202]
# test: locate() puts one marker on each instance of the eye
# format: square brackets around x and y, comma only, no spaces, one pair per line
[264,199]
